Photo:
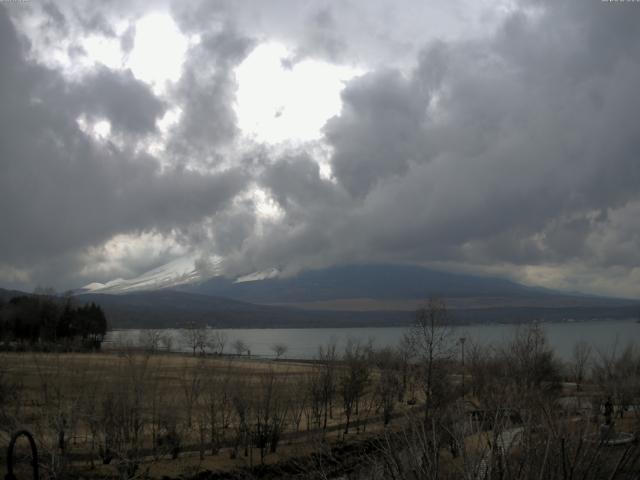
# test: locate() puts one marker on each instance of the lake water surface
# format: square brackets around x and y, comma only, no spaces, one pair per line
[303,343]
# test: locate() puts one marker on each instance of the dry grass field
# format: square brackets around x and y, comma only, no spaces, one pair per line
[170,414]
[515,410]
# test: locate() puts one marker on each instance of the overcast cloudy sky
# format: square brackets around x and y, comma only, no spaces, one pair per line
[497,137]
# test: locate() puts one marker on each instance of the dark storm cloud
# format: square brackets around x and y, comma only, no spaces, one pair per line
[520,130]
[379,130]
[127,103]
[206,92]
[310,235]
[514,149]
[61,191]
[297,186]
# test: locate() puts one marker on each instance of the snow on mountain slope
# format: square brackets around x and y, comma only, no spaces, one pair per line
[256,276]
[177,272]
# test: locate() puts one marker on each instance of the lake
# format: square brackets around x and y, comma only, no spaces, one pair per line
[303,343]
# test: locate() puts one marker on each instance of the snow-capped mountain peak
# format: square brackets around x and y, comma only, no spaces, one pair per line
[180,271]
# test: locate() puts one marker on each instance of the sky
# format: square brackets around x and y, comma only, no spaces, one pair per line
[492,137]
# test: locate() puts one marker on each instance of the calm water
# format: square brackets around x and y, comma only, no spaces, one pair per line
[304,342]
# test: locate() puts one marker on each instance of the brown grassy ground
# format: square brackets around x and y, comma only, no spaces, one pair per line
[49,387]
[42,390]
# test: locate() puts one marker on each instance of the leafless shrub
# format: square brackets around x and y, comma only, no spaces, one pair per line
[327,357]
[217,405]
[279,349]
[217,341]
[619,374]
[150,340]
[388,381]
[580,357]
[353,379]
[240,347]
[195,337]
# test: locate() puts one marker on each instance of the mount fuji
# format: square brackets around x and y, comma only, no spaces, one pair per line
[187,289]
[179,272]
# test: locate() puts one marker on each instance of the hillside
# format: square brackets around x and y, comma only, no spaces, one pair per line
[364,281]
[365,295]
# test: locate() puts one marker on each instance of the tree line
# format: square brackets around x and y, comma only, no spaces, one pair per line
[44,319]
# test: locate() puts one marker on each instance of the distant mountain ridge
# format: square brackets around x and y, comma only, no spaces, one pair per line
[353,281]
[359,295]
[174,309]
[364,281]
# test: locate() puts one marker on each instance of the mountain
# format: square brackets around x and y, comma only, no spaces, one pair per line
[355,281]
[176,294]
[6,295]
[182,271]
[381,285]
[171,308]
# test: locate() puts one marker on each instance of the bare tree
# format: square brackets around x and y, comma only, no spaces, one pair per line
[191,383]
[315,405]
[580,361]
[239,347]
[242,405]
[170,433]
[404,353]
[619,375]
[431,340]
[387,383]
[269,412]
[122,416]
[60,389]
[535,441]
[531,363]
[150,339]
[299,399]
[195,337]
[353,379]
[217,404]
[166,340]
[217,341]
[327,357]
[279,349]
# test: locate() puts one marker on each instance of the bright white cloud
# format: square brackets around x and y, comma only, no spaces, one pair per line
[126,254]
[104,50]
[266,206]
[276,104]
[158,51]
[97,129]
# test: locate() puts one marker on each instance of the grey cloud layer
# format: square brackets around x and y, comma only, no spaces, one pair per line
[129,104]
[515,149]
[61,191]
[206,92]
[519,149]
